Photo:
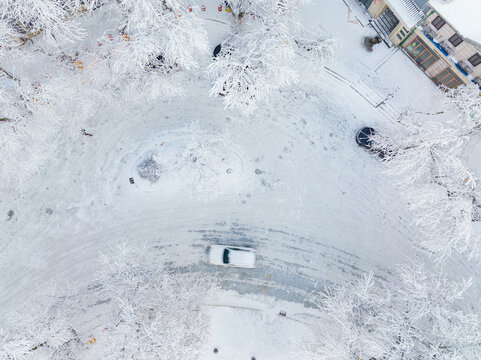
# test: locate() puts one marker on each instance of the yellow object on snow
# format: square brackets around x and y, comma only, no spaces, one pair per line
[79,64]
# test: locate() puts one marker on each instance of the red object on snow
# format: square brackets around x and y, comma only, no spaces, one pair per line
[219,7]
[99,43]
[111,37]
[203,8]
[189,8]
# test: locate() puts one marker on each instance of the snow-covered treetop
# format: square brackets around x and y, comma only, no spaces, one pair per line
[415,315]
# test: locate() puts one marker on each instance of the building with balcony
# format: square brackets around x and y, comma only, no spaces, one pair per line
[447,43]
[443,38]
[393,19]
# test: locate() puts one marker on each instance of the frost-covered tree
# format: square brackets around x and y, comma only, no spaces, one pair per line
[137,309]
[54,91]
[260,56]
[156,313]
[37,114]
[253,62]
[468,99]
[153,42]
[40,94]
[419,317]
[353,314]
[426,165]
[426,319]
[52,18]
[42,329]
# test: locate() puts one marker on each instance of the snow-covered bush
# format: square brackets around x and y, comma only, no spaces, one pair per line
[149,169]
[419,317]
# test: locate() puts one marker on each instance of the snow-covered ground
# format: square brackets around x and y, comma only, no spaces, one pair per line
[259,328]
[288,180]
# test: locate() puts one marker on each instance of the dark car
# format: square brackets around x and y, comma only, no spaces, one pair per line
[364,138]
[217,50]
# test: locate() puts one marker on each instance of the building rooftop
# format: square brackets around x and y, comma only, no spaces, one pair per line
[421,3]
[408,10]
[463,15]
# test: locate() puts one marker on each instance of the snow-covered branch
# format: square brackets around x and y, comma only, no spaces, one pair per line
[155,40]
[154,310]
[418,318]
[353,315]
[42,329]
[468,99]
[260,56]
[137,308]
[426,166]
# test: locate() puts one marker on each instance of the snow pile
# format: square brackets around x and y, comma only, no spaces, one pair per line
[463,15]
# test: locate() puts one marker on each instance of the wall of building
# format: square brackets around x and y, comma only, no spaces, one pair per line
[399,34]
[441,64]
[377,9]
[461,52]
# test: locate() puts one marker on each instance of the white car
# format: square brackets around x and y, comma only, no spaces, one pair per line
[232,256]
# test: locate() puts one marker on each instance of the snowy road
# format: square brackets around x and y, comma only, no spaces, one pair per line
[317,209]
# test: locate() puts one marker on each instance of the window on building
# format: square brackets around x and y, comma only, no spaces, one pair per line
[421,53]
[475,60]
[402,33]
[412,45]
[438,23]
[455,40]
[399,37]
[447,78]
